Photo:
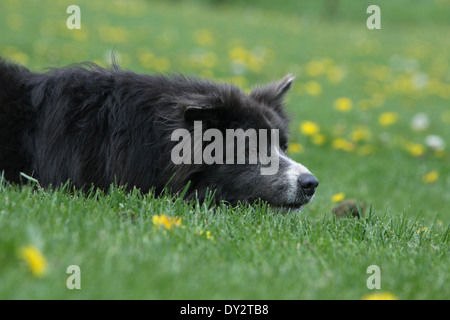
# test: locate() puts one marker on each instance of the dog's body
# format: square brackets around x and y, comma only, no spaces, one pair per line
[101,126]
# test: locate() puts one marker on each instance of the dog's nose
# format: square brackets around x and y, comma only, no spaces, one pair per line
[308,183]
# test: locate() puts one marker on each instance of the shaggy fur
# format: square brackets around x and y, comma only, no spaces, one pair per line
[96,126]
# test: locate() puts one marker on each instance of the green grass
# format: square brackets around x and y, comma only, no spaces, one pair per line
[255,253]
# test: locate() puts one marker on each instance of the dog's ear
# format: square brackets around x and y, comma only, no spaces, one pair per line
[274,93]
[192,113]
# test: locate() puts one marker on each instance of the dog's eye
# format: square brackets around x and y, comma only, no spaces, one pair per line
[253,151]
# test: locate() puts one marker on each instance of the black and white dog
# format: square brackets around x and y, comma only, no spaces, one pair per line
[96,126]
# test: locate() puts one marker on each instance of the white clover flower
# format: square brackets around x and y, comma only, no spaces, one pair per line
[435,142]
[420,122]
[420,80]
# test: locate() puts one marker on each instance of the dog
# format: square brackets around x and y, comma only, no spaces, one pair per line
[97,126]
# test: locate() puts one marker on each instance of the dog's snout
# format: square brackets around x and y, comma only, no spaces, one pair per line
[308,183]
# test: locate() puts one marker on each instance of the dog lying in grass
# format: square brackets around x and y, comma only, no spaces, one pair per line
[95,126]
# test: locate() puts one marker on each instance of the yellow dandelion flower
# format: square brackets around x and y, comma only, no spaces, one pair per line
[315,68]
[381,73]
[295,148]
[207,233]
[343,144]
[207,73]
[239,54]
[388,118]
[16,55]
[380,296]
[313,88]
[166,222]
[423,229]
[415,149]
[309,128]
[209,236]
[147,60]
[150,61]
[101,63]
[255,63]
[113,34]
[240,81]
[318,139]
[209,60]
[439,153]
[34,259]
[20,57]
[360,133]
[162,64]
[338,197]
[203,37]
[335,74]
[365,150]
[343,104]
[430,177]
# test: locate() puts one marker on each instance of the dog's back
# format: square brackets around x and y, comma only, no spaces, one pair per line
[84,123]
[16,117]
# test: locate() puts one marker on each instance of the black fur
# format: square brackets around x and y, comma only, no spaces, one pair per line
[99,126]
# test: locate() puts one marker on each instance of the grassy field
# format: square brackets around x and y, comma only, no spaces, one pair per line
[370,118]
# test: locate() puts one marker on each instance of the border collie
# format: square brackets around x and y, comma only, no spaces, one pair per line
[95,126]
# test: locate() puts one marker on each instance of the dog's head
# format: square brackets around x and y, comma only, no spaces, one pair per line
[235,143]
